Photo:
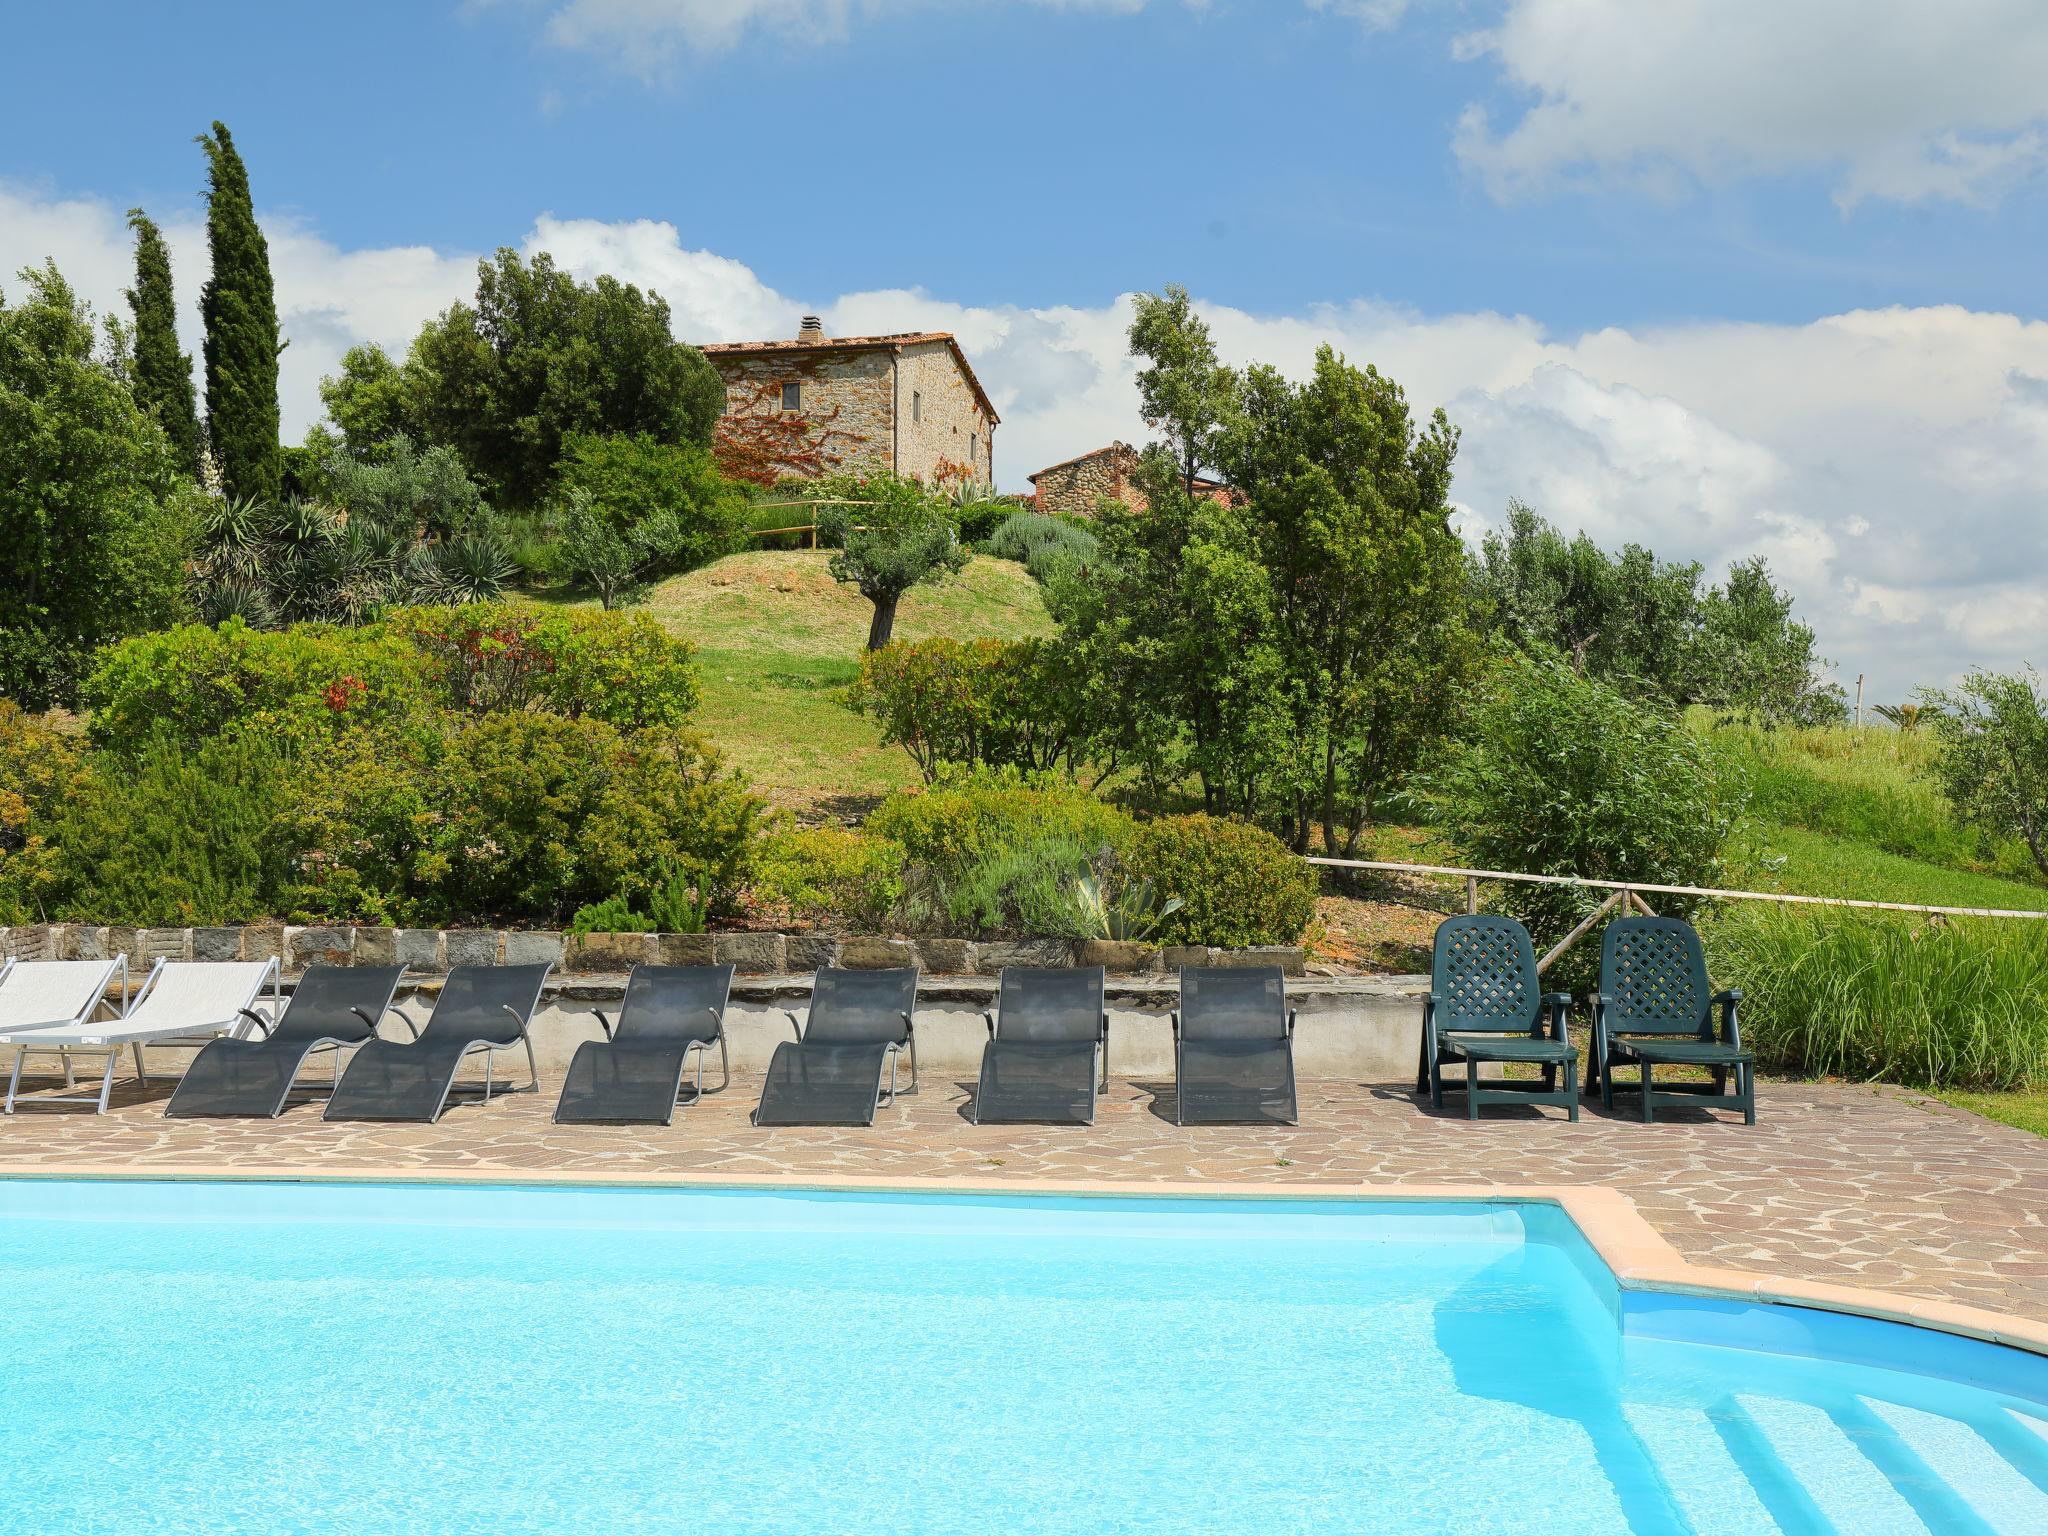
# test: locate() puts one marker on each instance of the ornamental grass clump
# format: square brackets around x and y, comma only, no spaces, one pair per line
[1955,1004]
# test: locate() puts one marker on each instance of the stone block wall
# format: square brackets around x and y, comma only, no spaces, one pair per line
[849,401]
[1077,485]
[940,424]
[433,951]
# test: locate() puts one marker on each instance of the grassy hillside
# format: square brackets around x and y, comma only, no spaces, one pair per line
[779,640]
[1846,812]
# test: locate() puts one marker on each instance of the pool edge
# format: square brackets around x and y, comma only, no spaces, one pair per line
[1637,1256]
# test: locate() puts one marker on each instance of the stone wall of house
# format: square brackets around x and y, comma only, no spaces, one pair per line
[848,403]
[942,428]
[1076,486]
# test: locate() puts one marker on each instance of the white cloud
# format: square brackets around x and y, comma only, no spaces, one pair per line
[1888,462]
[1910,100]
[645,35]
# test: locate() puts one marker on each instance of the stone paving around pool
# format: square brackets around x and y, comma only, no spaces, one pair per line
[1857,1186]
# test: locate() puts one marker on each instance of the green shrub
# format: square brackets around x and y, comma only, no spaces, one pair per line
[1238,885]
[666,501]
[979,703]
[365,831]
[176,834]
[967,817]
[300,684]
[1960,1004]
[826,875]
[624,669]
[516,817]
[38,769]
[1046,546]
[1565,775]
[614,914]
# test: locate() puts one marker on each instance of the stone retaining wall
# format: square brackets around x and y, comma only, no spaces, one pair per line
[431,951]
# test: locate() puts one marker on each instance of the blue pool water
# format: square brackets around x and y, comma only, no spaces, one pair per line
[404,1359]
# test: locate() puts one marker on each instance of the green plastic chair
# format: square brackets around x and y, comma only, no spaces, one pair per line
[1655,1009]
[1486,1005]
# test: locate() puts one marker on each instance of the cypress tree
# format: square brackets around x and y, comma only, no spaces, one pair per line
[163,374]
[240,309]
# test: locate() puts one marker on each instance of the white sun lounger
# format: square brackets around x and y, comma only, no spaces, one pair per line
[180,1003]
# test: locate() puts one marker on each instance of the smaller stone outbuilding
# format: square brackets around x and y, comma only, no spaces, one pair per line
[1075,485]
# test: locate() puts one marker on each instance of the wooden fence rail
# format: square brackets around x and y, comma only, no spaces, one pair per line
[1630,893]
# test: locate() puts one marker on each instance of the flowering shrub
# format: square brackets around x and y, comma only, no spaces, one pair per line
[294,684]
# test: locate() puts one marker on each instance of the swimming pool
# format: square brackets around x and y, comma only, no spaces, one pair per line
[316,1358]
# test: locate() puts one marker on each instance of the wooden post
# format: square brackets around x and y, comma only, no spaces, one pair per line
[1859,698]
[1579,932]
[1471,894]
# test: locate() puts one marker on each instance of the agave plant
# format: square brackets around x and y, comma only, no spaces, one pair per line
[1130,913]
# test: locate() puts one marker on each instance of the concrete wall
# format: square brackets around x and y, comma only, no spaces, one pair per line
[1354,1030]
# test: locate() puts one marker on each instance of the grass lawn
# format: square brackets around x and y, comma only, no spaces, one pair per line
[778,641]
[1817,864]
[2028,1111]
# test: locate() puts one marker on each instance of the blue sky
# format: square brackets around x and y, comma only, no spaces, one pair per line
[1723,275]
[1263,153]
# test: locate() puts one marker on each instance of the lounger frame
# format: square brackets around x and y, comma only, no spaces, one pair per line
[1189,1024]
[893,1049]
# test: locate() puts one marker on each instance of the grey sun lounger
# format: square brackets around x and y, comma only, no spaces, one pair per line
[831,1074]
[332,1007]
[635,1074]
[1233,1047]
[1048,1041]
[482,1008]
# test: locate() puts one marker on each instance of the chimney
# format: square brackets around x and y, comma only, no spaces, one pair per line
[811,331]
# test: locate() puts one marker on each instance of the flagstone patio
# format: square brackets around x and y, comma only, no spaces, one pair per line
[1857,1186]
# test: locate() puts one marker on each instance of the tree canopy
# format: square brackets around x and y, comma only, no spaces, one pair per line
[1300,646]
[163,374]
[239,305]
[892,534]
[1650,626]
[537,358]
[1993,764]
[95,519]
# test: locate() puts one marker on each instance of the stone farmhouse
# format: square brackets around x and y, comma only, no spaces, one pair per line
[819,405]
[1076,485]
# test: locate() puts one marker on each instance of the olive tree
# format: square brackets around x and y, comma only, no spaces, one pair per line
[1993,763]
[892,535]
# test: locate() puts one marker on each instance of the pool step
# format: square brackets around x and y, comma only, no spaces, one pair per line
[2001,1494]
[1853,1494]
[1762,1466]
